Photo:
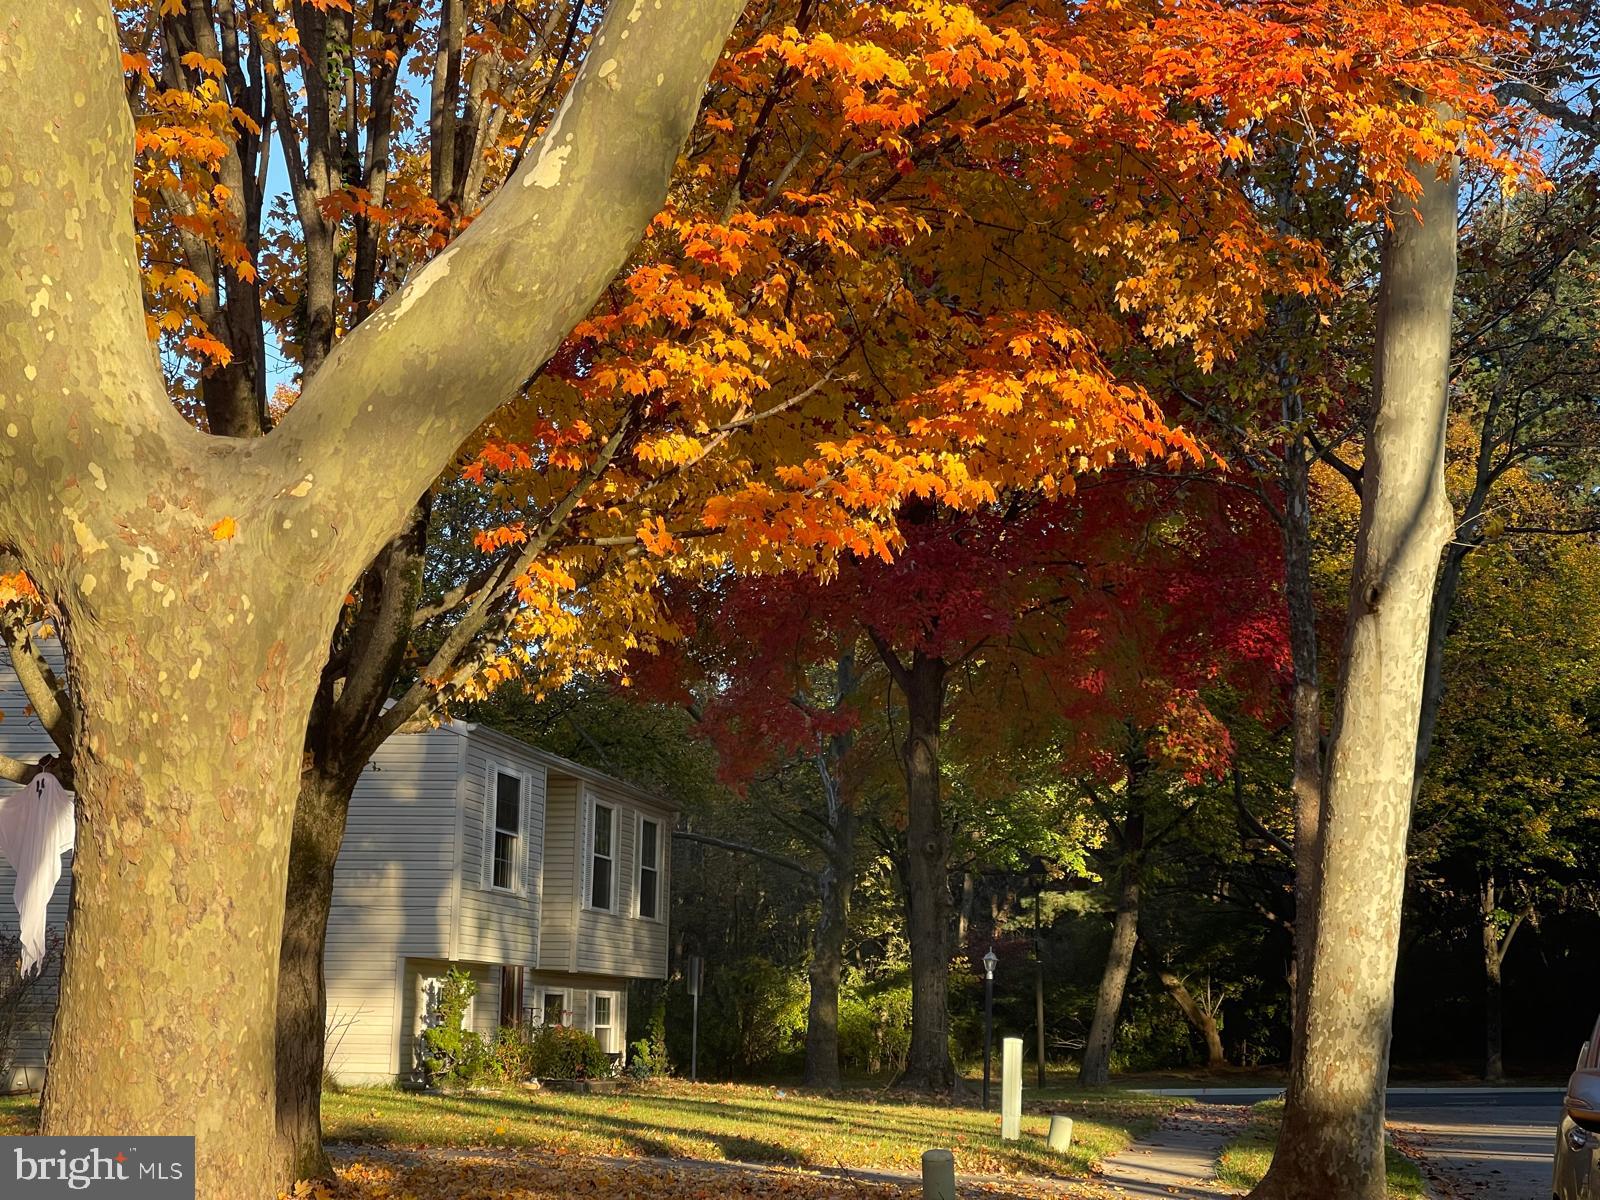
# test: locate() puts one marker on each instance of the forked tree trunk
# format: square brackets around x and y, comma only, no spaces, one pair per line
[1096,1067]
[1333,1129]
[928,1064]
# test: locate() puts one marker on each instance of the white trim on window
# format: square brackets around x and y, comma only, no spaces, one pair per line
[640,867]
[610,1027]
[592,855]
[517,868]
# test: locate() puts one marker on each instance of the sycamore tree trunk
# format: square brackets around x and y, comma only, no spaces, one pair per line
[185,768]
[1095,1070]
[928,1064]
[1332,1138]
[196,579]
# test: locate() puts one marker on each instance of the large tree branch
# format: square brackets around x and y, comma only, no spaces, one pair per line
[84,391]
[777,860]
[39,683]
[448,658]
[404,389]
[14,770]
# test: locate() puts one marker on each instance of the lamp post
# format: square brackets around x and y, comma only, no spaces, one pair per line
[989,961]
[1037,869]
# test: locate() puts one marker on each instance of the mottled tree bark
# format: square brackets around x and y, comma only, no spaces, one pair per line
[197,579]
[1332,1137]
[1095,1070]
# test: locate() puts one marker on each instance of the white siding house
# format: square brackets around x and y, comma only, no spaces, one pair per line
[547,880]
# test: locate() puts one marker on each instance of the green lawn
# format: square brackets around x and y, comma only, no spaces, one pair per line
[740,1123]
[1245,1160]
[730,1122]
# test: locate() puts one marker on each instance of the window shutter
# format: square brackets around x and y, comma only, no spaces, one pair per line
[526,841]
[486,837]
[637,874]
[586,848]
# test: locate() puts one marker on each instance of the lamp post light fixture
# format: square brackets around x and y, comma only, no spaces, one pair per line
[989,961]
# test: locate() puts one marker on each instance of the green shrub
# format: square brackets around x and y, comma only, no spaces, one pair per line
[647,1057]
[556,1052]
[874,1024]
[512,1052]
[451,1053]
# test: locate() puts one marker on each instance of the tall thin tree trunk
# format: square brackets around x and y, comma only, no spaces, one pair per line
[1332,1138]
[337,748]
[1096,1067]
[1444,599]
[834,886]
[1306,711]
[319,822]
[928,1063]
[1494,1069]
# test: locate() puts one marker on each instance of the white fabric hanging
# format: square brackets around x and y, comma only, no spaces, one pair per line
[36,829]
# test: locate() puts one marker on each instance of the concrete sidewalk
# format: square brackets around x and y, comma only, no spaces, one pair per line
[1179,1160]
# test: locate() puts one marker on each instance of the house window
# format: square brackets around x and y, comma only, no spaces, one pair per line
[506,845]
[601,857]
[510,995]
[649,868]
[555,1008]
[602,1021]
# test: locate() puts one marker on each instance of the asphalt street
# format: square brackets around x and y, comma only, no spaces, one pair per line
[1474,1143]
[1498,1150]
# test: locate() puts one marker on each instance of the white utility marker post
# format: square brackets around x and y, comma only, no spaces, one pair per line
[1011,1090]
[1060,1139]
[938,1175]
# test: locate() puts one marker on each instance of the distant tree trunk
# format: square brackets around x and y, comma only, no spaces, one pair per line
[1494,1069]
[319,821]
[1496,945]
[1332,1138]
[338,745]
[928,1064]
[1096,1067]
[1306,716]
[1197,1014]
[835,882]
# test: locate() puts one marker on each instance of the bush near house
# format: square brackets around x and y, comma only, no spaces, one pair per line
[556,1052]
[456,1055]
